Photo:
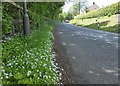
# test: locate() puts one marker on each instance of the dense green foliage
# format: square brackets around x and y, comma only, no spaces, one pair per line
[65,16]
[29,59]
[11,19]
[106,11]
[38,12]
[12,16]
[50,10]
[6,24]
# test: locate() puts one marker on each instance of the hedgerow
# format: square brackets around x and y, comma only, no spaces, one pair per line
[106,11]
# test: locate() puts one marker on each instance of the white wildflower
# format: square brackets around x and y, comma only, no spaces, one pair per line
[56,64]
[46,59]
[3,70]
[6,77]
[46,76]
[57,71]
[62,69]
[31,63]
[1,78]
[30,79]
[60,78]
[33,67]
[41,56]
[10,74]
[40,74]
[5,74]
[9,38]
[34,75]
[27,52]
[45,65]
[9,64]
[16,63]
[23,67]
[38,78]
[36,59]
[28,73]
[37,70]
[1,67]
[50,77]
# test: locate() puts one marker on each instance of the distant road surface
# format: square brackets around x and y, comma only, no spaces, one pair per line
[93,54]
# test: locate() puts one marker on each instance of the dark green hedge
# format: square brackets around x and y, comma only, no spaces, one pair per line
[12,16]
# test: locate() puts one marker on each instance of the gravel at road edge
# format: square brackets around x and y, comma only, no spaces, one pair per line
[62,61]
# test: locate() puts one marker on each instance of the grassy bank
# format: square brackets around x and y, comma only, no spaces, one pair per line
[29,60]
[106,23]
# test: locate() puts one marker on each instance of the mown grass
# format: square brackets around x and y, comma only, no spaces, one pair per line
[105,23]
[29,60]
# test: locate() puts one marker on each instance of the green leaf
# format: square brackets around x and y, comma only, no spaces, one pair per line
[25,81]
[18,76]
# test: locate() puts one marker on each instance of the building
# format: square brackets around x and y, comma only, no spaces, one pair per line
[93,7]
[90,8]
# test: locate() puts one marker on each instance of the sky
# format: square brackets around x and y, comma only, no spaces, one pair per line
[100,3]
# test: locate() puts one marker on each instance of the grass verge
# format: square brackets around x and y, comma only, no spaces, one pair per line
[105,23]
[29,60]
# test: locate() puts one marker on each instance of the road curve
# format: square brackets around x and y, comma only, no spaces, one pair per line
[93,54]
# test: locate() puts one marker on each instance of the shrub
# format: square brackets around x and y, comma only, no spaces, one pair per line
[65,16]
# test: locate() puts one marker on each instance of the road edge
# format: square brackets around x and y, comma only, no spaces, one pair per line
[61,59]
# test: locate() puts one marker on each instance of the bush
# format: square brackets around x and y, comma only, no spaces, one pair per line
[6,24]
[65,16]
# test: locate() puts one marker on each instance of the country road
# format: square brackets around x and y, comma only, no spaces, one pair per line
[91,54]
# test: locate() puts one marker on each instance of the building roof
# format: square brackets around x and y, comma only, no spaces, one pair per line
[93,7]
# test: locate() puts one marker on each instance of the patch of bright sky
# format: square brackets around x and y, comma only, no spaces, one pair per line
[100,3]
[67,6]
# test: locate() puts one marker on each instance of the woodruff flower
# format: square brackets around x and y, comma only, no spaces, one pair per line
[3,71]
[16,63]
[37,70]
[23,67]
[38,78]
[10,74]
[9,64]
[1,78]
[28,73]
[36,59]
[6,77]
[5,74]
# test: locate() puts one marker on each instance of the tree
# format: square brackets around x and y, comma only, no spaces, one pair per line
[74,9]
[77,6]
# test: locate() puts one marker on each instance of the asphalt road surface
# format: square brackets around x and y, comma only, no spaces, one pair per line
[93,54]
